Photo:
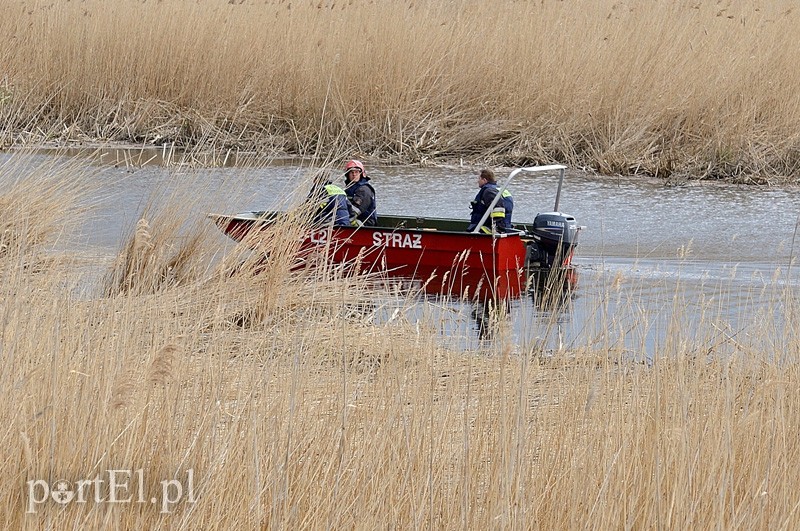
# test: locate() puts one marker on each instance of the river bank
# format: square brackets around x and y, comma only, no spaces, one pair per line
[683,97]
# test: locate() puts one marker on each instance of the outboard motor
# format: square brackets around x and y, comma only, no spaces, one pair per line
[551,241]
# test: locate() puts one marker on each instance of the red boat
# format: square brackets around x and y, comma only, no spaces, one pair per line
[439,253]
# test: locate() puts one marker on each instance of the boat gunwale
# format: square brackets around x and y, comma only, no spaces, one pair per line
[263,219]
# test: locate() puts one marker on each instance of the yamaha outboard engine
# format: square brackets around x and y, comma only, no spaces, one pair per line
[551,241]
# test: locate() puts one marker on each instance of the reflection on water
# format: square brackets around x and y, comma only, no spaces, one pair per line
[546,303]
[487,315]
[539,321]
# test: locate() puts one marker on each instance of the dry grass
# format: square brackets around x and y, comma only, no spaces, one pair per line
[675,89]
[312,414]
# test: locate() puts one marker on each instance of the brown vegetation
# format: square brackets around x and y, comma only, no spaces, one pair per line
[676,89]
[295,408]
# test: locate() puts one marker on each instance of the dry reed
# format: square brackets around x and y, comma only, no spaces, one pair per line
[316,416]
[674,89]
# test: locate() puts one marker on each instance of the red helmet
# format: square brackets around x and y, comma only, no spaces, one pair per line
[355,164]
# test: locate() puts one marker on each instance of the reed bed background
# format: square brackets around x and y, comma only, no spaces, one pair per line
[677,89]
[295,407]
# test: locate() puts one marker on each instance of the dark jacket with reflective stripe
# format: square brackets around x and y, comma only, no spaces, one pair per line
[362,197]
[332,203]
[482,201]
[508,200]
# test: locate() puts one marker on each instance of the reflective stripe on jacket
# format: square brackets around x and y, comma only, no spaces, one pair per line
[508,204]
[484,198]
[336,205]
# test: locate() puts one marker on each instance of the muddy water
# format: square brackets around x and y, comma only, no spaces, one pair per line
[653,262]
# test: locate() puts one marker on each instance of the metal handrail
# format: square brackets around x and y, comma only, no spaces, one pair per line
[532,169]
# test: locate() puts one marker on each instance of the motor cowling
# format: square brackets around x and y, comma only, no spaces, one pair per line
[551,240]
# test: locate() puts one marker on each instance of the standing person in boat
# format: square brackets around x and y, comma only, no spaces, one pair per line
[360,193]
[329,202]
[501,213]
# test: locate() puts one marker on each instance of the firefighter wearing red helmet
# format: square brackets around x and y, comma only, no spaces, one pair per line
[360,193]
[355,164]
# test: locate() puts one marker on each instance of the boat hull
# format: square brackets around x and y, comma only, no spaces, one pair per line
[428,251]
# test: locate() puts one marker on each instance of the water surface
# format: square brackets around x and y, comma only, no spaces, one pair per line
[649,255]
